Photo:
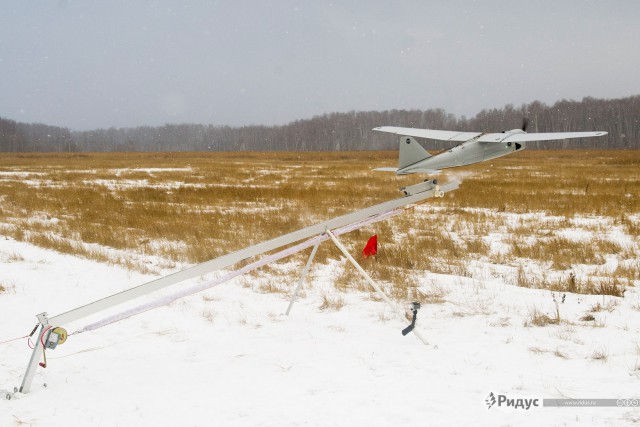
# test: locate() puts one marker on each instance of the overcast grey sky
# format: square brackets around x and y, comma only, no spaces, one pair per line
[89,64]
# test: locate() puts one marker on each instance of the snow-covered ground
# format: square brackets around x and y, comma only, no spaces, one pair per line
[229,357]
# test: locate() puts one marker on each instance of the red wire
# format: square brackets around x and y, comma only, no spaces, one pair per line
[15,339]
[31,346]
[42,335]
[44,348]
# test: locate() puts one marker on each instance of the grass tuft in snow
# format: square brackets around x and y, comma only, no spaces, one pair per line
[209,314]
[7,288]
[600,354]
[433,294]
[536,317]
[333,302]
[271,287]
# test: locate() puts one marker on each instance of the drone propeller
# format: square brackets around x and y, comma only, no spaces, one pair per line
[525,123]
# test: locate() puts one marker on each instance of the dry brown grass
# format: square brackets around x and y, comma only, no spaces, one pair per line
[14,257]
[557,352]
[563,183]
[333,302]
[595,285]
[600,354]
[208,204]
[563,252]
[271,287]
[433,294]
[588,318]
[538,318]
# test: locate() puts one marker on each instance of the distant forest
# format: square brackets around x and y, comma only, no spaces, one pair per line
[342,131]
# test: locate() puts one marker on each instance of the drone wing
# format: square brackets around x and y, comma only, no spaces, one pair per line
[526,137]
[447,135]
[440,135]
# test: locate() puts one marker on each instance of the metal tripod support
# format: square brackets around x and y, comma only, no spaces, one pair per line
[303,276]
[364,274]
[35,355]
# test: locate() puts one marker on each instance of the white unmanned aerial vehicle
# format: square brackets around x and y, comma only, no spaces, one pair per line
[474,147]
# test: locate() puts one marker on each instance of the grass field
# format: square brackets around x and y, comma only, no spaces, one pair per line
[561,220]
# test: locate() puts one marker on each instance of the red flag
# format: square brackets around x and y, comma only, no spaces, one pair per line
[371,248]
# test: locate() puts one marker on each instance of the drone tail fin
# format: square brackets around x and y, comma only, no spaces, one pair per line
[411,152]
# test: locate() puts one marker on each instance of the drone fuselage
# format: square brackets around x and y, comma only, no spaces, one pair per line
[467,153]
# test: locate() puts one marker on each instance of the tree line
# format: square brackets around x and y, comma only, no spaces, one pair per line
[342,131]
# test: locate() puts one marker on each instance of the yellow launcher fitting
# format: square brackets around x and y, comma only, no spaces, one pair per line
[62,334]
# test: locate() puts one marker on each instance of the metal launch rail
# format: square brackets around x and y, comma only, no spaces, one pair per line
[327,230]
